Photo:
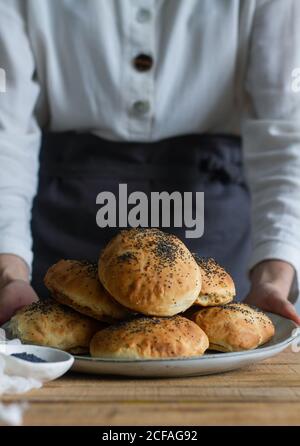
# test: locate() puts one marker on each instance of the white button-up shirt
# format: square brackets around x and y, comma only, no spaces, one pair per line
[219,66]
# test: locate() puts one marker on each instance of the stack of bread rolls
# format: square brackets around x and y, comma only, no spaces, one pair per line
[148,297]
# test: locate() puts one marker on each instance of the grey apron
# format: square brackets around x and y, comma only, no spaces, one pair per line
[75,167]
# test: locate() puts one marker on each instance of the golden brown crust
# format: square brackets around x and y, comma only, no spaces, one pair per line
[53,325]
[76,284]
[150,338]
[150,272]
[217,285]
[234,327]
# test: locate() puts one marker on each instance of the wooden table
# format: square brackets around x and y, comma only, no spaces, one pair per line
[264,394]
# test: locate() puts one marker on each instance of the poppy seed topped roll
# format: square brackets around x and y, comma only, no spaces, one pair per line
[217,285]
[76,284]
[50,324]
[150,338]
[234,327]
[150,272]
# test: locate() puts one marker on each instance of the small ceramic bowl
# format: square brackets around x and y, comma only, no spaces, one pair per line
[58,362]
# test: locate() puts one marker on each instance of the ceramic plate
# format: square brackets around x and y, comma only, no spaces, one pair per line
[286,333]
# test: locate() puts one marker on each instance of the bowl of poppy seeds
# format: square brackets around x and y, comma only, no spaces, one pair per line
[32,361]
[28,357]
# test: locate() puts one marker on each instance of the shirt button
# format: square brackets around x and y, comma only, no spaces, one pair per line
[143,15]
[141,107]
[143,62]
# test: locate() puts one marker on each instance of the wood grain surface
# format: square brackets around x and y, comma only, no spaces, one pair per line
[264,394]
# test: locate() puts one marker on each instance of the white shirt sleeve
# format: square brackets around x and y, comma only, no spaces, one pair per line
[271,132]
[19,133]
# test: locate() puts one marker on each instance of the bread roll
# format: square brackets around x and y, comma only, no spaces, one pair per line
[150,338]
[217,285]
[150,272]
[76,284]
[50,324]
[234,327]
